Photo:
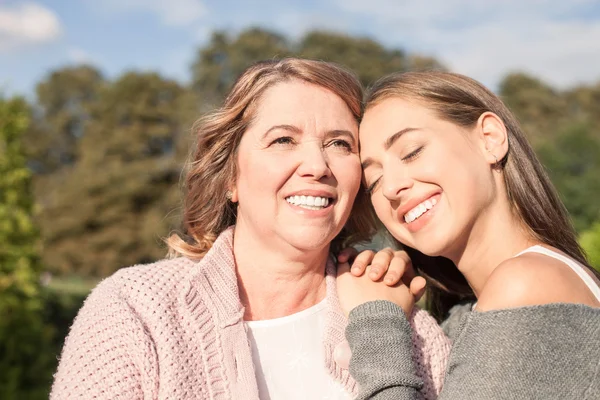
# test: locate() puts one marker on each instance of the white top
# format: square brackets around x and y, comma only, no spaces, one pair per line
[289,357]
[574,265]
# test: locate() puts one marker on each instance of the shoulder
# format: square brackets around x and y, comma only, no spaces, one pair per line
[155,280]
[533,279]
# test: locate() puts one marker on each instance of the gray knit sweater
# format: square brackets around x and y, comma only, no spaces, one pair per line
[538,352]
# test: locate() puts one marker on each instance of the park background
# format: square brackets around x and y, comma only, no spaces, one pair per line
[97,99]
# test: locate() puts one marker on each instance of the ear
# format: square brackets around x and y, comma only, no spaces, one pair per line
[494,137]
[234,195]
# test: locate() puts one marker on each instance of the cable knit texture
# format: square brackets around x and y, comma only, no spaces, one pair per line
[174,330]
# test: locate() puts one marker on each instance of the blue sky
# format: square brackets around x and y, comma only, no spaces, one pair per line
[559,41]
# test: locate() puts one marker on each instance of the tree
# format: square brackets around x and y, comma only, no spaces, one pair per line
[539,107]
[24,362]
[573,162]
[224,58]
[64,103]
[367,58]
[590,241]
[111,209]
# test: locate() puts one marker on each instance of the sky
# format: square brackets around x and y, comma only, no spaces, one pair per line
[557,41]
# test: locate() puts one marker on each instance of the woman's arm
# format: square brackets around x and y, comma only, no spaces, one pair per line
[549,351]
[107,354]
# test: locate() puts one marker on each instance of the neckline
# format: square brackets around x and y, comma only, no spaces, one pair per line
[288,318]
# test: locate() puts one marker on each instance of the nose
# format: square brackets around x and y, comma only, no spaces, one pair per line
[314,162]
[395,183]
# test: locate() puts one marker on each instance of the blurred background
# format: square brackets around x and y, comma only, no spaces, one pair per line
[97,99]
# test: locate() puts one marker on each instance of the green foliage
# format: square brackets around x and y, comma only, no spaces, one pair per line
[109,209]
[24,363]
[564,128]
[573,162]
[65,101]
[225,57]
[590,241]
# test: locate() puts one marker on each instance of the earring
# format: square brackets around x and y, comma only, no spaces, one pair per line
[229,195]
[495,158]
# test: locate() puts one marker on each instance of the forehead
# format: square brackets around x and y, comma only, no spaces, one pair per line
[389,117]
[295,101]
[395,113]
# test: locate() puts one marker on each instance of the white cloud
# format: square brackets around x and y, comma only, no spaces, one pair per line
[80,56]
[27,24]
[171,13]
[552,39]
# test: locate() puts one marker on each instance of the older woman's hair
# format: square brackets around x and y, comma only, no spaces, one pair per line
[213,168]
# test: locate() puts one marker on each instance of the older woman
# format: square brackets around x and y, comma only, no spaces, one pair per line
[249,309]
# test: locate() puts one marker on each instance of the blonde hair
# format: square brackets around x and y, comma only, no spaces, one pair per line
[206,210]
[534,200]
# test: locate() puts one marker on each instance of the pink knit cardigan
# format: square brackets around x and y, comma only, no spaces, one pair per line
[174,330]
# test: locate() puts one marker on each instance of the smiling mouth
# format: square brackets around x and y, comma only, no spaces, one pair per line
[309,202]
[419,210]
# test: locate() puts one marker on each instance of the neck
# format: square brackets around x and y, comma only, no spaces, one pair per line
[496,236]
[276,280]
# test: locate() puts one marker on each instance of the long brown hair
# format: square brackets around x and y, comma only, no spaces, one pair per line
[534,200]
[206,210]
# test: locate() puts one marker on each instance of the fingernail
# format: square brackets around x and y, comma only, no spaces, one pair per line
[374,271]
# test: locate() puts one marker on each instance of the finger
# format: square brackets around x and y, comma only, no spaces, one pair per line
[347,254]
[343,268]
[417,287]
[408,271]
[361,262]
[380,263]
[395,271]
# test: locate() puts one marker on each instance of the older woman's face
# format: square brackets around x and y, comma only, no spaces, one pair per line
[298,167]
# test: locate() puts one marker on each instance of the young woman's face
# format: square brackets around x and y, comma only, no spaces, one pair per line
[428,178]
[298,166]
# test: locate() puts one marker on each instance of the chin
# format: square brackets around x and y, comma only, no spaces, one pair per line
[432,245]
[310,238]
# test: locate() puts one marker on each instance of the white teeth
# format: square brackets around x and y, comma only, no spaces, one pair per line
[309,202]
[419,210]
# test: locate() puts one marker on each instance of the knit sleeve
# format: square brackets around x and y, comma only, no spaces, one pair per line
[107,354]
[380,338]
[550,351]
[431,349]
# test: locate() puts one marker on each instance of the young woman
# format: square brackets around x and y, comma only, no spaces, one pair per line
[451,175]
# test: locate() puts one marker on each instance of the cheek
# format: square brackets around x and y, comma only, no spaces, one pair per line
[348,173]
[382,207]
[261,171]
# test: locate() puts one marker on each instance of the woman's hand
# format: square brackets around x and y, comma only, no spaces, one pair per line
[387,265]
[354,291]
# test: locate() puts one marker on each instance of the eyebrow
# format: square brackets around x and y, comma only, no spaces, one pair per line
[341,132]
[389,142]
[290,128]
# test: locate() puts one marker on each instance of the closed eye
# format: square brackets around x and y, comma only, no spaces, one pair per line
[413,154]
[373,186]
